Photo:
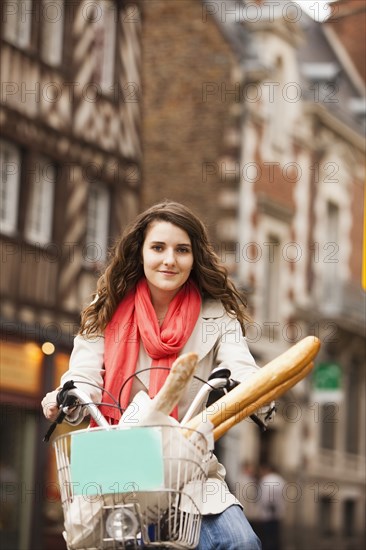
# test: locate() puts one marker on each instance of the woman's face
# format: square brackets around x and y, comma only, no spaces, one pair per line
[167,257]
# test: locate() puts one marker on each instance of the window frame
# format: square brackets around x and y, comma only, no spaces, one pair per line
[16,30]
[99,213]
[271,307]
[106,53]
[52,41]
[39,221]
[9,224]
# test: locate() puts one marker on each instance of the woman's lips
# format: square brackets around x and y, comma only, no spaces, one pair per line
[168,272]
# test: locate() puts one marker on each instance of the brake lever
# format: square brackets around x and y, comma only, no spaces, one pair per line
[51,429]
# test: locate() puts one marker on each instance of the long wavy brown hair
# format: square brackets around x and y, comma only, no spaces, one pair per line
[125,267]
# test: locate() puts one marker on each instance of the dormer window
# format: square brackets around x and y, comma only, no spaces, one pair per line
[323,78]
[321,72]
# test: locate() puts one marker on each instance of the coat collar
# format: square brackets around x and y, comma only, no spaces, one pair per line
[212,309]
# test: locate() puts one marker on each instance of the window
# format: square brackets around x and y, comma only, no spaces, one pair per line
[331,280]
[353,410]
[357,106]
[52,31]
[17,19]
[349,516]
[40,209]
[105,44]
[9,187]
[272,279]
[97,225]
[328,423]
[325,516]
[323,81]
[277,107]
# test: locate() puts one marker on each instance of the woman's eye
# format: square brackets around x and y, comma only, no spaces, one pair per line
[157,247]
[183,250]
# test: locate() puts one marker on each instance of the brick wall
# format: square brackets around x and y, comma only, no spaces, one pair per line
[182,127]
[349,22]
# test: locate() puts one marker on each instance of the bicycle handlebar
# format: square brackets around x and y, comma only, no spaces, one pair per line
[70,396]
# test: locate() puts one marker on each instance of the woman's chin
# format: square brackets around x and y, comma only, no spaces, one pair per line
[166,285]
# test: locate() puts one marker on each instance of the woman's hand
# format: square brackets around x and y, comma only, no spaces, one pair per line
[49,405]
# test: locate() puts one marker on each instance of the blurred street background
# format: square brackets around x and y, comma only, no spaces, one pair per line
[253,114]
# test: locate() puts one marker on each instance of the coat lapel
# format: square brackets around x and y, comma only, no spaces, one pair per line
[207,329]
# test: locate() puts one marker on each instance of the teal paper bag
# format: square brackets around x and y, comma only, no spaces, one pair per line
[116,461]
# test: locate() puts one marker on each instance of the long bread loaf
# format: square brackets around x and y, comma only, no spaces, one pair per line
[179,376]
[261,383]
[250,409]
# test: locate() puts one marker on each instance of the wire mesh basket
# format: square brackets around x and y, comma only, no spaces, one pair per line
[133,487]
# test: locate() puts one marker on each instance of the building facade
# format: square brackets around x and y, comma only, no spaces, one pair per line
[70,166]
[271,157]
[299,254]
[190,114]
[253,115]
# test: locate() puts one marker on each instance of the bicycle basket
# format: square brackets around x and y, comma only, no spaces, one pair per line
[131,487]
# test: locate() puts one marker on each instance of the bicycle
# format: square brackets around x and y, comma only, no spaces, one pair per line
[116,501]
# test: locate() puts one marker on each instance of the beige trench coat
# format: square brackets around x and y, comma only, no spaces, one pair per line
[218,340]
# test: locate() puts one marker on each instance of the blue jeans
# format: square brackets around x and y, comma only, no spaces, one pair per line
[229,530]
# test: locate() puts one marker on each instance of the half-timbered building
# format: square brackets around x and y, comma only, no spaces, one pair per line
[253,114]
[70,180]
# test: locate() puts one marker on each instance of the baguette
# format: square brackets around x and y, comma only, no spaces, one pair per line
[250,409]
[179,376]
[260,384]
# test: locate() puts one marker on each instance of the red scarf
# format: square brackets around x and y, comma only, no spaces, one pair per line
[135,319]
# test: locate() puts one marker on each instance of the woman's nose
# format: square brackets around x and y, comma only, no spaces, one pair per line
[169,257]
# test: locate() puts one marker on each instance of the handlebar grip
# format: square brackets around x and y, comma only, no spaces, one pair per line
[220,392]
[63,396]
[63,399]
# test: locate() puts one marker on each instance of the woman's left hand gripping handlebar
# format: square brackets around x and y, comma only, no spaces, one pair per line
[50,406]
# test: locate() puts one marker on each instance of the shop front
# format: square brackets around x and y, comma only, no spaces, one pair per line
[30,510]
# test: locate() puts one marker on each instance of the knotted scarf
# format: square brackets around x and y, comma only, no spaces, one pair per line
[134,320]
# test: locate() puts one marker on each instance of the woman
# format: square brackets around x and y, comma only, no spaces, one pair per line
[163,294]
